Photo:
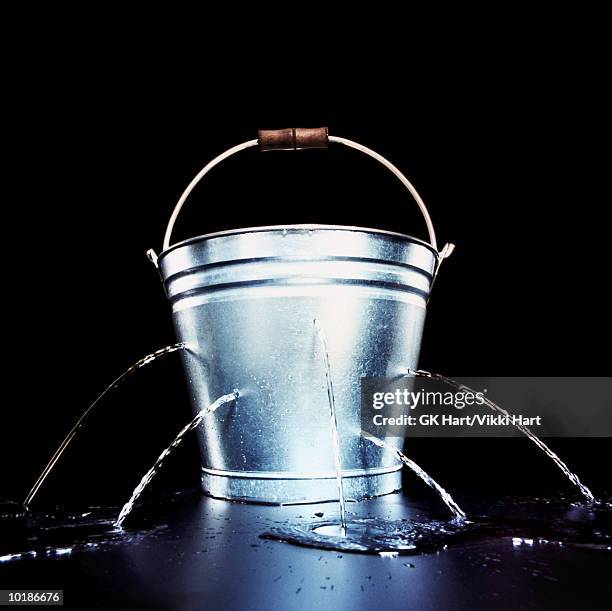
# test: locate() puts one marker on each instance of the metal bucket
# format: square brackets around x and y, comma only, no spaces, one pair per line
[243,302]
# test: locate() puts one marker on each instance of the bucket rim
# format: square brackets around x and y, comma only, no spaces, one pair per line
[302,226]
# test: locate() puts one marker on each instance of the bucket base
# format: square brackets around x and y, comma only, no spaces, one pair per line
[285,489]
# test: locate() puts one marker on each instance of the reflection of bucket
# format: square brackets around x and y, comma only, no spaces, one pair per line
[244,301]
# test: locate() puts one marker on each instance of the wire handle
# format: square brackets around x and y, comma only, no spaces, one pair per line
[354,145]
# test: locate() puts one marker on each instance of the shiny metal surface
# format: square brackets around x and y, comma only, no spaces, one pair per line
[244,301]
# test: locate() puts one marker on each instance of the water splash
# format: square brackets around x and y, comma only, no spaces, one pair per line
[150,474]
[526,431]
[430,481]
[334,424]
[371,535]
[519,522]
[79,423]
[62,532]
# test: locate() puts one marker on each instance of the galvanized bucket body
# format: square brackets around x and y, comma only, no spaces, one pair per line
[244,301]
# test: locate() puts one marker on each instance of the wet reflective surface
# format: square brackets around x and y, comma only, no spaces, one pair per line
[190,551]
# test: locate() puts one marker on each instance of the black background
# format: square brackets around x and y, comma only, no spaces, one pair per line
[509,152]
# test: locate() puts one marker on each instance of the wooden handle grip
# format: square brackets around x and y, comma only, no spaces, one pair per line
[293,138]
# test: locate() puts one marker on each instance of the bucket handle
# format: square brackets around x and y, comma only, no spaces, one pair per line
[293,139]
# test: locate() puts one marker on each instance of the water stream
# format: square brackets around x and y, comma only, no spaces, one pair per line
[430,481]
[150,474]
[528,433]
[81,421]
[334,425]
